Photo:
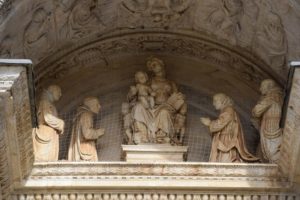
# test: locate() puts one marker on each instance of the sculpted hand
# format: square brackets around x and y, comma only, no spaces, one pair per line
[62,127]
[100,132]
[205,120]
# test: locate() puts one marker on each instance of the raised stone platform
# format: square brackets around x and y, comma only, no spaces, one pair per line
[154,153]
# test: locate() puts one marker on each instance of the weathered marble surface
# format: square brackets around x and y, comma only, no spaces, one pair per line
[84,136]
[228,143]
[268,113]
[267,29]
[154,153]
[153,108]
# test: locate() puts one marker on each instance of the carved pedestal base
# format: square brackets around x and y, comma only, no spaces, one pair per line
[154,153]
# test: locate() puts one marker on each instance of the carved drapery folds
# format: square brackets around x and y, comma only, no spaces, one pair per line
[156,110]
[46,135]
[84,136]
[83,19]
[267,114]
[228,143]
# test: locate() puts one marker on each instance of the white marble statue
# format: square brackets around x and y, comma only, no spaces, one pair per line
[154,105]
[46,136]
[268,113]
[84,136]
[228,143]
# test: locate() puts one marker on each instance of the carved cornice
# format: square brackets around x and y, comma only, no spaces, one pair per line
[156,176]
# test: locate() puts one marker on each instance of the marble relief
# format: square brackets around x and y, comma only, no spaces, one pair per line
[228,143]
[156,106]
[155,113]
[46,136]
[267,116]
[84,136]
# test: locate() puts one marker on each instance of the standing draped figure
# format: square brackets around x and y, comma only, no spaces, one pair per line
[84,136]
[46,136]
[228,143]
[268,113]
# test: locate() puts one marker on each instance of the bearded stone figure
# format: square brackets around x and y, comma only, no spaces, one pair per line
[228,143]
[84,136]
[154,105]
[46,136]
[268,113]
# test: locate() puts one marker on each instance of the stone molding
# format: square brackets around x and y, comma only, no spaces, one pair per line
[189,169]
[166,195]
[118,175]
[96,49]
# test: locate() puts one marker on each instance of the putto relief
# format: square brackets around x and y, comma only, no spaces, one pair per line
[155,111]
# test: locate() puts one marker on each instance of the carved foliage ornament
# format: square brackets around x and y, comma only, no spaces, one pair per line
[145,43]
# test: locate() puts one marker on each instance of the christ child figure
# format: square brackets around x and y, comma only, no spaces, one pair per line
[144,93]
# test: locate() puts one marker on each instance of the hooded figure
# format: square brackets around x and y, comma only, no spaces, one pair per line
[84,136]
[268,112]
[228,143]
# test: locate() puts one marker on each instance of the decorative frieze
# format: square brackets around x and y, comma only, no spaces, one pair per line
[80,55]
[155,196]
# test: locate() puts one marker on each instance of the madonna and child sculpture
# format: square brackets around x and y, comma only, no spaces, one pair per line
[154,117]
[156,111]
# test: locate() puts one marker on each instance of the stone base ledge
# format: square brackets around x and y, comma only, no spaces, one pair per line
[122,175]
[154,153]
